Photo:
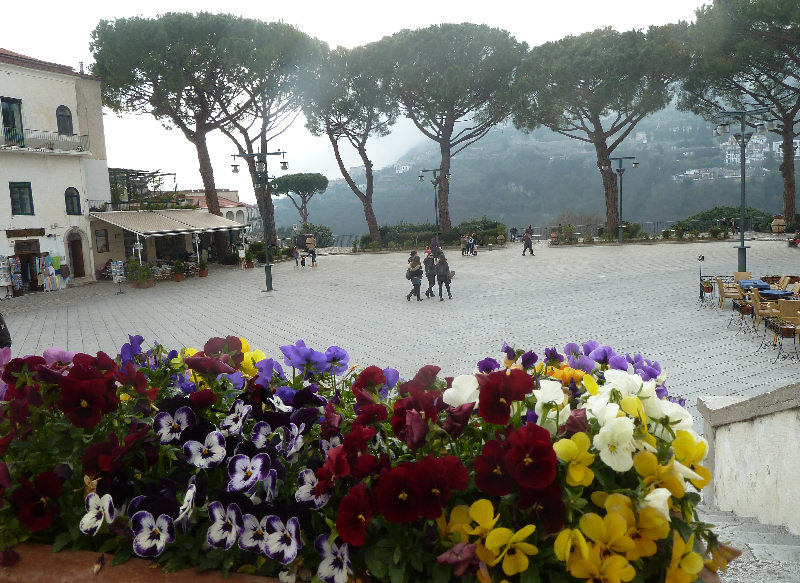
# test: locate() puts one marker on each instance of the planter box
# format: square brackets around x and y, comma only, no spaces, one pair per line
[249,265]
[39,564]
[202,272]
[178,277]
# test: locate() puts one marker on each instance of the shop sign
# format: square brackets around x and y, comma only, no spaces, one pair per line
[16,233]
[26,246]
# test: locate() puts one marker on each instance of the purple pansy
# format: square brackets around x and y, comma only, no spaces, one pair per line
[552,355]
[207,454]
[307,482]
[283,540]
[270,485]
[335,566]
[509,351]
[572,350]
[98,509]
[261,433]
[184,383]
[528,359]
[584,363]
[293,440]
[233,423]
[254,534]
[268,368]
[168,427]
[151,535]
[618,362]
[301,357]
[488,365]
[244,471]
[602,354]
[236,379]
[589,346]
[54,355]
[131,349]
[337,358]
[226,525]
[187,507]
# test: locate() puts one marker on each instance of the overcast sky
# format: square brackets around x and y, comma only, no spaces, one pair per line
[60,32]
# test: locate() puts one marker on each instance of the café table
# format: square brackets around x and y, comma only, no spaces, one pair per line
[756,283]
[775,294]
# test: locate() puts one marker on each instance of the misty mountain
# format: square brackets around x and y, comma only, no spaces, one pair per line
[532,178]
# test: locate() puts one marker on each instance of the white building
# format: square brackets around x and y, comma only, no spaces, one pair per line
[52,160]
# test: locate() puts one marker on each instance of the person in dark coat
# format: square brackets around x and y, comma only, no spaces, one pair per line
[430,272]
[443,276]
[5,335]
[415,268]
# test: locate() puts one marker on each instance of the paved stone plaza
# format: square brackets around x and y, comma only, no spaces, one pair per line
[636,298]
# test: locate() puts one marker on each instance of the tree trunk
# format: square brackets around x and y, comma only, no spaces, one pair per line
[787,172]
[207,175]
[444,186]
[609,186]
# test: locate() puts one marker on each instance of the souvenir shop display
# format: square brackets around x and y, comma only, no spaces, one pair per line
[118,274]
[15,266]
[5,275]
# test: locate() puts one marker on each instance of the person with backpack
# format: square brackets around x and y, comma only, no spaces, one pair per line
[430,272]
[527,242]
[443,276]
[414,273]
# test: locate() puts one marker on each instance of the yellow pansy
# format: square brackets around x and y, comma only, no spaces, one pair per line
[655,475]
[609,532]
[591,384]
[602,567]
[690,453]
[482,513]
[566,374]
[721,555]
[245,344]
[458,524]
[509,546]
[685,563]
[575,451]
[632,405]
[648,526]
[248,365]
[570,545]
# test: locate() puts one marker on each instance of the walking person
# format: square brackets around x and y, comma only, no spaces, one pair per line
[296,255]
[5,335]
[430,272]
[311,245]
[513,234]
[472,242]
[527,242]
[443,276]
[464,245]
[414,273]
[434,247]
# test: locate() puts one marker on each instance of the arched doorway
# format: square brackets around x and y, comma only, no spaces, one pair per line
[75,256]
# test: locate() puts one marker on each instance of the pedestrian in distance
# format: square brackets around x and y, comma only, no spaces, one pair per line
[527,242]
[443,276]
[513,233]
[296,255]
[430,272]
[414,273]
[434,247]
[311,245]
[5,335]
[464,245]
[473,241]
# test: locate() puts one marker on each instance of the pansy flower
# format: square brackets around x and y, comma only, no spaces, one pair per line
[186,509]
[226,525]
[498,390]
[283,540]
[98,509]
[37,501]
[207,454]
[168,427]
[151,535]
[254,534]
[267,370]
[307,482]
[530,458]
[245,472]
[354,514]
[233,423]
[270,482]
[335,566]
[303,358]
[488,365]
[338,359]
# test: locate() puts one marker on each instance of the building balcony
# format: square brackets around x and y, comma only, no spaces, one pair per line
[42,141]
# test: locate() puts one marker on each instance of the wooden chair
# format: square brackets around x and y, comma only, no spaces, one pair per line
[761,309]
[795,289]
[738,275]
[782,283]
[733,291]
[786,324]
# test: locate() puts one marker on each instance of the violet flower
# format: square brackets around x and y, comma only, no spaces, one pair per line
[233,423]
[283,540]
[254,534]
[338,359]
[207,454]
[307,482]
[488,365]
[151,535]
[335,566]
[244,471]
[226,525]
[98,509]
[169,427]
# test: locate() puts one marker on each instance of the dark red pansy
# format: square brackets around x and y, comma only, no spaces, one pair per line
[498,390]
[370,379]
[369,414]
[358,439]
[530,457]
[203,399]
[546,506]
[336,462]
[354,515]
[331,421]
[491,475]
[83,401]
[130,376]
[437,478]
[36,503]
[208,365]
[19,373]
[228,349]
[398,419]
[457,419]
[577,422]
[397,494]
[426,375]
[416,430]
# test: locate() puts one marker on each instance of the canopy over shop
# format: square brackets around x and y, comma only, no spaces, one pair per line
[165,233]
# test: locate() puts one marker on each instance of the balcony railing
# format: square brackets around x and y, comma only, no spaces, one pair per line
[42,140]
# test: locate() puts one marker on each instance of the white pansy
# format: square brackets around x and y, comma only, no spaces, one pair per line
[672,414]
[464,389]
[658,499]
[684,472]
[615,443]
[551,394]
[622,381]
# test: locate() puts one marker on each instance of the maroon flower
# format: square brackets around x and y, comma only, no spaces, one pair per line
[83,401]
[370,379]
[208,365]
[369,414]
[36,502]
[416,429]
[422,381]
[130,376]
[457,419]
[354,515]
[577,422]
[227,350]
[462,557]
[491,475]
[438,477]
[20,373]
[357,440]
[336,465]
[546,506]
[530,458]
[498,390]
[203,399]
[330,424]
[398,493]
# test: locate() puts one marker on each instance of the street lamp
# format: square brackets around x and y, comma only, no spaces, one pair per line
[620,171]
[437,178]
[742,138]
[260,184]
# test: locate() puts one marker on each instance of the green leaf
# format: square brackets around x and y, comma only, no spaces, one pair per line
[397,572]
[530,575]
[123,556]
[683,529]
[377,560]
[441,573]
[62,540]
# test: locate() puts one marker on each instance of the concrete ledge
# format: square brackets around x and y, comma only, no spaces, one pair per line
[754,462]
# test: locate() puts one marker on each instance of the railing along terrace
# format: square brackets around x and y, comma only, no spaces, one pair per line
[42,140]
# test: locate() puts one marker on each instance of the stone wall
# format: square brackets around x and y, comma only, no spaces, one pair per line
[754,455]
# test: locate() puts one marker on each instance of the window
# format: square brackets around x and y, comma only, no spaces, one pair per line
[12,122]
[64,120]
[101,240]
[72,198]
[21,198]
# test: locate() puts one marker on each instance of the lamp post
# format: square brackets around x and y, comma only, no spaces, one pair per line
[435,181]
[620,171]
[742,138]
[260,184]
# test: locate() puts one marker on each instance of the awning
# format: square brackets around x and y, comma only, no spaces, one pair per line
[167,222]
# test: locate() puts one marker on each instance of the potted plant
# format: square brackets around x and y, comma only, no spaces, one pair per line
[144,276]
[178,269]
[202,267]
[248,259]
[708,287]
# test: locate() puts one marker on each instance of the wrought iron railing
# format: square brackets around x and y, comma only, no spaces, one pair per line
[42,140]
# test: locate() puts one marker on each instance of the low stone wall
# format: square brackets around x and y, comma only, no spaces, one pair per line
[754,455]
